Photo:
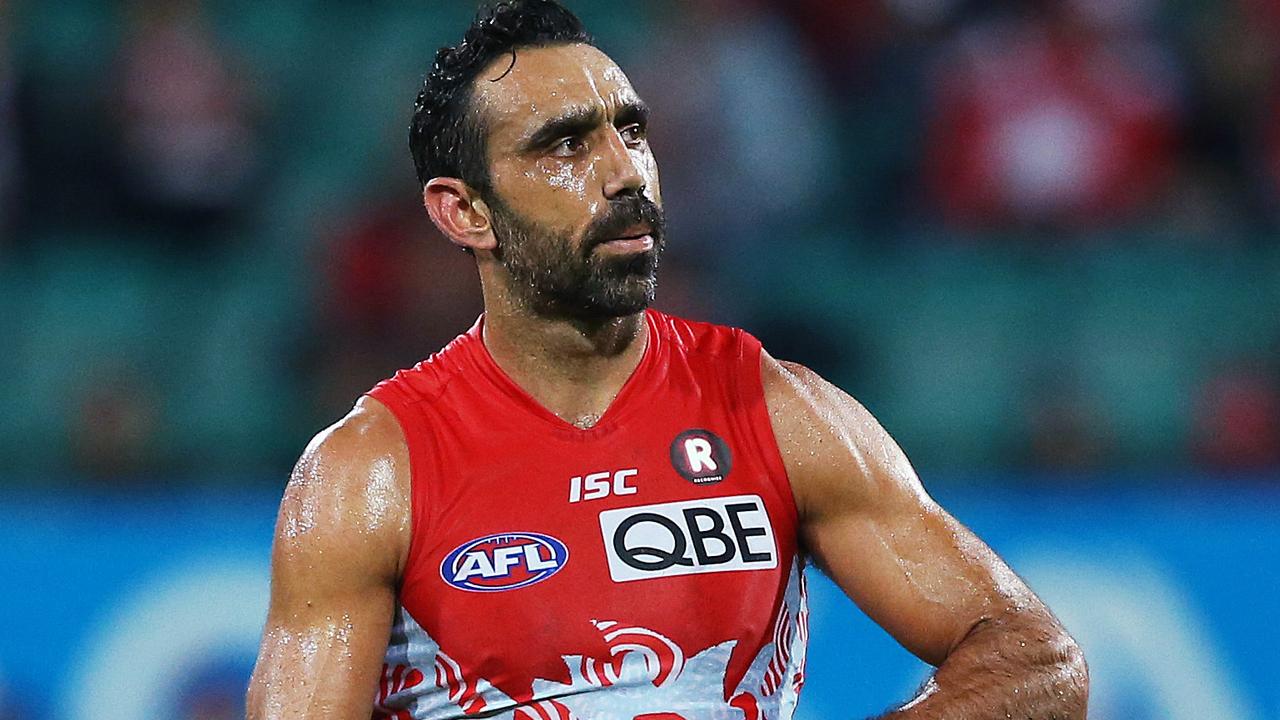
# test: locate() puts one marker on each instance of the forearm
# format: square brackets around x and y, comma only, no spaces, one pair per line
[1022,666]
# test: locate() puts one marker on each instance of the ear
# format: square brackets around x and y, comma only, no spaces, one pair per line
[459,213]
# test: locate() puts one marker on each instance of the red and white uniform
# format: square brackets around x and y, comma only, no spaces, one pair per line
[646,567]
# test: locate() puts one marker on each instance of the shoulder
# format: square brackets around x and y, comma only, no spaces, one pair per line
[696,337]
[368,436]
[836,453]
[428,379]
[350,491]
[800,398]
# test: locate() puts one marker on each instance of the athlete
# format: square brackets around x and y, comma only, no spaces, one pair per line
[584,508]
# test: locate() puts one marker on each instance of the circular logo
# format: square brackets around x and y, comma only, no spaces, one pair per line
[504,561]
[701,457]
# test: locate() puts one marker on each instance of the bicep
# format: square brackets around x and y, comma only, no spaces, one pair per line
[915,570]
[868,523]
[325,634]
[333,591]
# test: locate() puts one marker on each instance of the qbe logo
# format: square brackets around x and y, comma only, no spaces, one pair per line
[505,561]
[687,538]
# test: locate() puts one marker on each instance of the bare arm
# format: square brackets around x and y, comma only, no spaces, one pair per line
[915,570]
[340,543]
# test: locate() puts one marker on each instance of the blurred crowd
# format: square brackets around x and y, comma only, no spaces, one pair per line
[211,241]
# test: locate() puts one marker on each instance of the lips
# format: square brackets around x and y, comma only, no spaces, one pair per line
[634,233]
[632,223]
[630,244]
[631,239]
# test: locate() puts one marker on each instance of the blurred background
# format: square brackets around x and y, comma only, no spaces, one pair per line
[1039,239]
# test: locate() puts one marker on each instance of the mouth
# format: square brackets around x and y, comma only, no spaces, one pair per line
[634,239]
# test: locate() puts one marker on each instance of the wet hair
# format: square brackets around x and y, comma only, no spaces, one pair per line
[448,136]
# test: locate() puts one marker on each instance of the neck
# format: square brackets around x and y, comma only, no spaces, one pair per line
[572,366]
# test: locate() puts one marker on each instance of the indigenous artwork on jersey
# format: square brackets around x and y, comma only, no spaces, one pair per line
[647,676]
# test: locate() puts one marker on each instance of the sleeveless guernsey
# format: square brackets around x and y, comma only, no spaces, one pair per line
[646,567]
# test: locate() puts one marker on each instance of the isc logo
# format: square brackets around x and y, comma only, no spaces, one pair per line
[686,538]
[504,562]
[598,485]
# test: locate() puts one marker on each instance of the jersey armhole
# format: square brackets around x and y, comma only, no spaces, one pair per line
[419,460]
[762,424]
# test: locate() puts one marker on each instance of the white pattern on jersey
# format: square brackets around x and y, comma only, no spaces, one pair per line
[646,673]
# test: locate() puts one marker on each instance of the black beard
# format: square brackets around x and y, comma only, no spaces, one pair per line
[555,278]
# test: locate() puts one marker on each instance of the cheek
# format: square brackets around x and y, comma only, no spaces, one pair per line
[545,191]
[652,186]
[572,187]
[565,178]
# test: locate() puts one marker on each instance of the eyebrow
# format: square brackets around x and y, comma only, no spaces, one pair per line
[633,112]
[578,121]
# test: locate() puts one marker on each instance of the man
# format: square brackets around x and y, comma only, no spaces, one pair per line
[586,509]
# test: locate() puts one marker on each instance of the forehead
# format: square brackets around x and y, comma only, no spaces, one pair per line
[544,83]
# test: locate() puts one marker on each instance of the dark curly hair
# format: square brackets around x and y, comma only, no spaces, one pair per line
[447,136]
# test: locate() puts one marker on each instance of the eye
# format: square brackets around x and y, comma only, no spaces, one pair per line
[633,134]
[568,147]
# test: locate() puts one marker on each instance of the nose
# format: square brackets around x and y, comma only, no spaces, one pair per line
[624,176]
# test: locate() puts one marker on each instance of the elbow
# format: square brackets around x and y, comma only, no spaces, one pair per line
[1071,680]
[1058,671]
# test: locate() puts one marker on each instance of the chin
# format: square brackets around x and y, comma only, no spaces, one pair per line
[623,305]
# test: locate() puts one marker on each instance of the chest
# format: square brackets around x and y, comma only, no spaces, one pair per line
[536,547]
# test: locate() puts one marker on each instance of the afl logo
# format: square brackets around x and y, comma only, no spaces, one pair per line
[701,457]
[505,561]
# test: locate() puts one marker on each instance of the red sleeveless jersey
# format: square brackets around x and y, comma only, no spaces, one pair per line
[646,567]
